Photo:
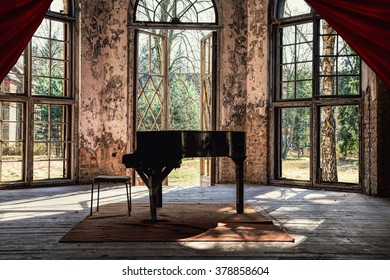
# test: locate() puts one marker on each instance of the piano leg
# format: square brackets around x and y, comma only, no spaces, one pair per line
[159,195]
[152,198]
[239,161]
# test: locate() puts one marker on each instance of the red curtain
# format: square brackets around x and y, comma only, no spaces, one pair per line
[19,19]
[365,25]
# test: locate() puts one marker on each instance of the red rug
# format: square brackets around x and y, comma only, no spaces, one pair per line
[176,222]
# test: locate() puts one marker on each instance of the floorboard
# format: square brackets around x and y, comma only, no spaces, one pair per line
[325,224]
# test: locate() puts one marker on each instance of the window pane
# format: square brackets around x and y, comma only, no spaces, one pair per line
[40,47]
[41,131]
[176,11]
[288,72]
[344,48]
[327,66]
[304,70]
[58,50]
[288,35]
[297,62]
[41,151]
[339,65]
[294,8]
[12,151]
[57,30]
[11,171]
[56,132]
[287,90]
[304,32]
[156,56]
[304,89]
[41,112]
[58,169]
[43,29]
[348,65]
[340,144]
[11,141]
[59,6]
[57,151]
[41,170]
[11,111]
[51,133]
[50,60]
[304,52]
[348,85]
[40,86]
[57,87]
[288,54]
[14,81]
[295,143]
[56,113]
[41,67]
[58,69]
[12,131]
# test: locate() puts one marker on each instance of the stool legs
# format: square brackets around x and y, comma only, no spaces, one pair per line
[91,199]
[128,196]
[98,197]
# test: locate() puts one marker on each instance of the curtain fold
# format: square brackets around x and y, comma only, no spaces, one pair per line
[365,26]
[19,19]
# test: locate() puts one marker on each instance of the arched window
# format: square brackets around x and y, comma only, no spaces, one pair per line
[176,70]
[36,105]
[291,8]
[176,11]
[316,100]
[60,6]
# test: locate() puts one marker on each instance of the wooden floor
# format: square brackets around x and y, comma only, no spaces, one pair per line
[325,225]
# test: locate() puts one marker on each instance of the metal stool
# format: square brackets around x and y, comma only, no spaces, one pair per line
[112,179]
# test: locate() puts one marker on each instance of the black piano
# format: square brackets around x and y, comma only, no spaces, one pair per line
[159,152]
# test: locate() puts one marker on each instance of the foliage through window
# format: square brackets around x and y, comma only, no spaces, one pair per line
[176,11]
[39,86]
[316,99]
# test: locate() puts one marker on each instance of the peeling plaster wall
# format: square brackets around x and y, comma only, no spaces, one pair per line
[257,89]
[231,108]
[243,88]
[369,127]
[375,126]
[103,93]
[105,84]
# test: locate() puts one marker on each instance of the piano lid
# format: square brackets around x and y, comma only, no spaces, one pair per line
[156,148]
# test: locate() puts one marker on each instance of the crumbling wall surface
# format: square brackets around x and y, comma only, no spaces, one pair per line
[369,131]
[243,88]
[233,93]
[103,93]
[375,135]
[375,176]
[256,104]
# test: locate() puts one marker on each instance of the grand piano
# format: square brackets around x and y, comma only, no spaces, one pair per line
[159,152]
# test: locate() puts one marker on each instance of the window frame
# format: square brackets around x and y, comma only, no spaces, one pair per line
[175,22]
[29,100]
[314,102]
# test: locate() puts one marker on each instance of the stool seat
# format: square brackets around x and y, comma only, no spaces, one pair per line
[111,179]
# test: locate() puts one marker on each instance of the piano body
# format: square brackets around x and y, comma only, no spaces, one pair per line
[159,152]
